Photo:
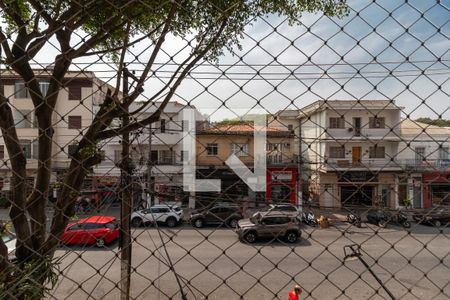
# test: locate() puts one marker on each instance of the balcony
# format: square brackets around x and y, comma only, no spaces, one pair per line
[363,134]
[426,165]
[387,165]
[365,164]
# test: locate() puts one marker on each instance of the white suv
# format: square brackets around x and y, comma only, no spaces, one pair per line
[170,215]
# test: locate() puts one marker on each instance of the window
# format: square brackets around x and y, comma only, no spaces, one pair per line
[76,227]
[2,152]
[212,149]
[290,127]
[420,154]
[337,152]
[91,226]
[376,122]
[74,122]
[24,119]
[184,125]
[74,92]
[2,90]
[21,91]
[163,125]
[166,157]
[376,152]
[117,156]
[239,149]
[26,148]
[444,153]
[183,155]
[337,122]
[43,86]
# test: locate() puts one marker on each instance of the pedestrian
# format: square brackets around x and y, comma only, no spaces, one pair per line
[295,293]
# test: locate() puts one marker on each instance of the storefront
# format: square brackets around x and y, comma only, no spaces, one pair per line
[357,188]
[436,189]
[281,185]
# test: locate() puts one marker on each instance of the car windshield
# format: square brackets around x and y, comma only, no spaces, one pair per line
[176,208]
[254,220]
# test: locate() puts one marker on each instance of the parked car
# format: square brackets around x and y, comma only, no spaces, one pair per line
[436,217]
[216,215]
[269,225]
[283,207]
[170,215]
[98,230]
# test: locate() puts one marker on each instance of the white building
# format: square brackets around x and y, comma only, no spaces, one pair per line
[424,152]
[161,152]
[349,150]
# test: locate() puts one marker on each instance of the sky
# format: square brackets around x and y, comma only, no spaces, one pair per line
[384,49]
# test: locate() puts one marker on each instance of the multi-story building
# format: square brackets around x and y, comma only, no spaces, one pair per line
[155,150]
[216,143]
[424,153]
[77,104]
[348,150]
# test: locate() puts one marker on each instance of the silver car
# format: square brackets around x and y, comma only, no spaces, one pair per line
[270,224]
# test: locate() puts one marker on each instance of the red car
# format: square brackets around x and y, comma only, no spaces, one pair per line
[98,230]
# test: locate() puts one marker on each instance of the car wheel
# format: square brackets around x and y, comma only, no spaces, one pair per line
[100,243]
[171,222]
[437,223]
[233,223]
[198,223]
[250,237]
[136,222]
[292,237]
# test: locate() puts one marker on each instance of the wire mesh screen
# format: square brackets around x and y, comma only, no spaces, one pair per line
[224,149]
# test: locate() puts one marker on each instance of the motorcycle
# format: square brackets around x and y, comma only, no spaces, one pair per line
[402,219]
[382,218]
[309,218]
[354,219]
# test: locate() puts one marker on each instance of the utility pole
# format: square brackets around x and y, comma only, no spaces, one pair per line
[150,188]
[126,205]
[299,166]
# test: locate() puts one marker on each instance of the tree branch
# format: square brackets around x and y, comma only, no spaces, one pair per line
[140,84]
[12,13]
[5,45]
[155,116]
[41,11]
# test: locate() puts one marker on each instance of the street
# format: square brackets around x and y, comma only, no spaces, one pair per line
[212,264]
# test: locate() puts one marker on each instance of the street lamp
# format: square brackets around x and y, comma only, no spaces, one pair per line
[353,252]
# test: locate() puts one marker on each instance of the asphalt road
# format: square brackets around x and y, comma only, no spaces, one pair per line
[212,264]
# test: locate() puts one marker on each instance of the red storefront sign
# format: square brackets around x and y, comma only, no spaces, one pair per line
[430,179]
[281,185]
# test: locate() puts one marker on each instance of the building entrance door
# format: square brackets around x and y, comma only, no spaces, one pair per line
[356,156]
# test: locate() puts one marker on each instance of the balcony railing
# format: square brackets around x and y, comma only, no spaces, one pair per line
[403,164]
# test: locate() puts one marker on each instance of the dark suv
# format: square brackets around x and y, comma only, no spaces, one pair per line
[269,225]
[216,215]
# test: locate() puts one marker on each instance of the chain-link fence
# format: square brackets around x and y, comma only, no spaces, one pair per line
[224,149]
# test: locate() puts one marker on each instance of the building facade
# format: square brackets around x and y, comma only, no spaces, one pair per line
[216,143]
[77,104]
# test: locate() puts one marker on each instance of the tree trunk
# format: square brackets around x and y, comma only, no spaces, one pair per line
[18,182]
